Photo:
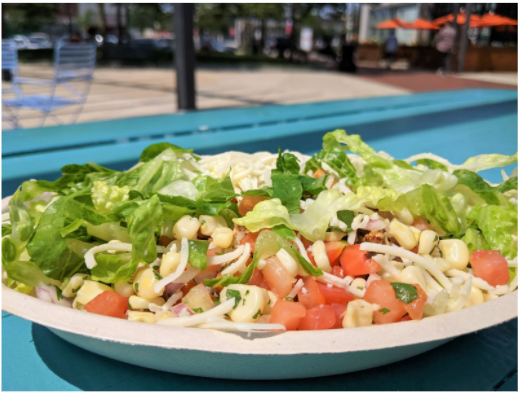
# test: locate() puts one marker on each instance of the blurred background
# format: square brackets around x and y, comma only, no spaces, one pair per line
[255,54]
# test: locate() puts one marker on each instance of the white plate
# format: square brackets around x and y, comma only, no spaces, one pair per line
[210,353]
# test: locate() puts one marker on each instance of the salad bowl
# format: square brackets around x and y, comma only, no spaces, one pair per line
[254,356]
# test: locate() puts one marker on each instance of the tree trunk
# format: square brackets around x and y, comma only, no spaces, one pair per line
[120,27]
[293,35]
[102,19]
[263,37]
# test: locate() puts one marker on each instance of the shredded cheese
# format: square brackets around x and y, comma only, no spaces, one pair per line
[179,270]
[226,258]
[233,268]
[200,318]
[90,261]
[293,293]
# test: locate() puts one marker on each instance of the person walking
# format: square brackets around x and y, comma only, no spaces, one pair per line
[444,41]
[391,48]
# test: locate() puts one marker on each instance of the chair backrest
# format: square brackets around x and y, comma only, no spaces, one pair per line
[9,56]
[74,61]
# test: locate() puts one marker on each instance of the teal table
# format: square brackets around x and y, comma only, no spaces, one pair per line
[454,125]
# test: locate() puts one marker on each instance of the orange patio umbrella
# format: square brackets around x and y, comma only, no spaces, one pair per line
[492,20]
[421,24]
[390,24]
[460,19]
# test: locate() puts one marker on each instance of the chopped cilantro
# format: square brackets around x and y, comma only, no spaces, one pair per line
[217,301]
[361,288]
[136,287]
[79,305]
[129,306]
[405,292]
[384,310]
[234,294]
[76,289]
[219,253]
[257,314]
[288,299]
[59,294]
[198,310]
[158,277]
[203,223]
[247,292]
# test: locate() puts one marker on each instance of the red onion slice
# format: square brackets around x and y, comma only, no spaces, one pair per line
[375,224]
[181,309]
[48,293]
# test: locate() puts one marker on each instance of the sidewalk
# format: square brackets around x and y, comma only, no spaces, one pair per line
[133,92]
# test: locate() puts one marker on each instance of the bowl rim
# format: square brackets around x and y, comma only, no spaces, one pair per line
[435,328]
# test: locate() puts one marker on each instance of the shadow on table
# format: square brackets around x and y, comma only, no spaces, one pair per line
[481,361]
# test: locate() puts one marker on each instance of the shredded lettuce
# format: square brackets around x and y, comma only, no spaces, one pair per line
[484,162]
[475,240]
[498,225]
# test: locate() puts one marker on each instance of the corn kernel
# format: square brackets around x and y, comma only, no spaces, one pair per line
[404,216]
[124,289]
[169,263]
[320,255]
[403,234]
[210,223]
[475,298]
[186,227]
[222,237]
[455,252]
[428,241]
[137,303]
[88,292]
[74,285]
[359,314]
[144,284]
[142,317]
[334,235]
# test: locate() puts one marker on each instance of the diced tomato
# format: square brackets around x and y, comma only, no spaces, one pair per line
[277,277]
[421,223]
[382,293]
[318,173]
[334,250]
[490,266]
[211,253]
[321,317]
[248,203]
[257,279]
[415,249]
[357,262]
[414,308]
[186,288]
[309,295]
[108,303]
[338,271]
[406,318]
[250,238]
[334,295]
[288,314]
[340,311]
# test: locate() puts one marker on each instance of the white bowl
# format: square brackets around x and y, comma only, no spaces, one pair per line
[216,354]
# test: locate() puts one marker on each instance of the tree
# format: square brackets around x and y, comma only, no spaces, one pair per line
[102,19]
[149,16]
[25,18]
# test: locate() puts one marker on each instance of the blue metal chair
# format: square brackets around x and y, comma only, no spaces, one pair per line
[73,70]
[10,65]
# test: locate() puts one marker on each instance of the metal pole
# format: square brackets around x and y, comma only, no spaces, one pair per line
[464,40]
[184,55]
[455,11]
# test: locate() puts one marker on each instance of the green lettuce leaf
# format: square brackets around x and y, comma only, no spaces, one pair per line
[214,190]
[152,151]
[484,162]
[26,272]
[312,223]
[432,164]
[491,195]
[430,204]
[498,225]
[197,254]
[475,240]
[288,189]
[153,175]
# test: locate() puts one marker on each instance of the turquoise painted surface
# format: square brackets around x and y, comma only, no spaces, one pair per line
[36,140]
[33,358]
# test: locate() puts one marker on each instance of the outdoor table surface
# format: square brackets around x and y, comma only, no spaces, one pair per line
[35,359]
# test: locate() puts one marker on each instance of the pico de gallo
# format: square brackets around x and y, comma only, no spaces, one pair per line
[346,238]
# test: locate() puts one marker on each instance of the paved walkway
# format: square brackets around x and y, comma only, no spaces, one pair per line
[132,92]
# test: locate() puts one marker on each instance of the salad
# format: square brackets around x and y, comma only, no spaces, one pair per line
[347,238]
